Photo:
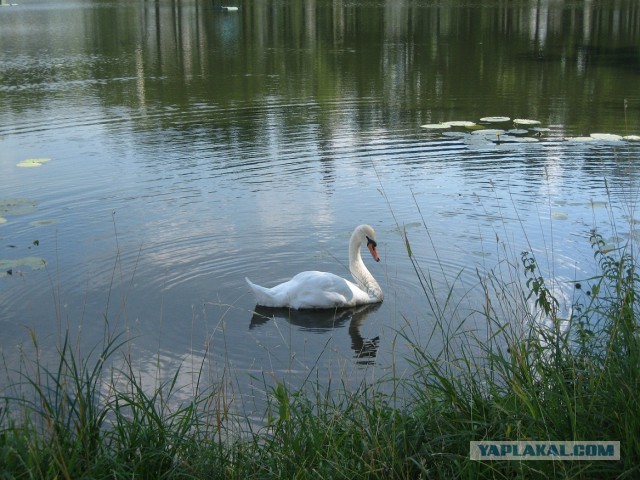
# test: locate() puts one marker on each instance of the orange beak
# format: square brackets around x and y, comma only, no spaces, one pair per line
[374,252]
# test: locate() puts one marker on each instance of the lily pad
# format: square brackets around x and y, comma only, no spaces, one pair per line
[17,206]
[632,138]
[559,215]
[40,223]
[34,263]
[486,132]
[495,119]
[460,123]
[32,162]
[517,131]
[609,137]
[3,220]
[436,126]
[526,121]
[454,134]
[503,138]
[581,139]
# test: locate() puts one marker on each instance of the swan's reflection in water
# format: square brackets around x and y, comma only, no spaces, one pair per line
[322,321]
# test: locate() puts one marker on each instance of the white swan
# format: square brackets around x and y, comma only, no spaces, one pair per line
[326,290]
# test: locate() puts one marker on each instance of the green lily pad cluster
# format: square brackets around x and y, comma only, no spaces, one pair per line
[477,126]
[523,130]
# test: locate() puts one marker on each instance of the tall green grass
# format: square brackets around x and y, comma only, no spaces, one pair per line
[533,374]
[571,378]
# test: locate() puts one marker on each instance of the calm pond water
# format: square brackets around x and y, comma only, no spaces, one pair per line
[190,147]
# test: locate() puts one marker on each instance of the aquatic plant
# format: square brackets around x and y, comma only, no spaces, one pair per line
[32,162]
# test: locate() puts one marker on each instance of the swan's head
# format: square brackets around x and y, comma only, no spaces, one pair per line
[366,234]
[371,245]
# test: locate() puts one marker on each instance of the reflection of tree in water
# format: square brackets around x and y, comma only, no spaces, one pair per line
[321,321]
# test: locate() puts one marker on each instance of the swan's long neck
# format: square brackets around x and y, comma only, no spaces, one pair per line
[358,269]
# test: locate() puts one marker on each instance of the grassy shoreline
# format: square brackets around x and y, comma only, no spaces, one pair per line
[540,376]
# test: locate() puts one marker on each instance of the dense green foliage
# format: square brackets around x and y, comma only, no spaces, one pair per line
[551,378]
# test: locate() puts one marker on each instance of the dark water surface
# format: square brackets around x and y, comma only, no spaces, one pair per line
[191,147]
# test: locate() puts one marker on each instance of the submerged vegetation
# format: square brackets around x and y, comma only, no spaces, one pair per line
[535,374]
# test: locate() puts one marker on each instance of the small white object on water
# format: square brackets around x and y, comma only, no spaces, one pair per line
[230,9]
[495,119]
[32,162]
[580,139]
[632,138]
[609,137]
[436,126]
[525,121]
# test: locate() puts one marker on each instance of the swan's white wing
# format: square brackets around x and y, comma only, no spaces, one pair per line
[312,290]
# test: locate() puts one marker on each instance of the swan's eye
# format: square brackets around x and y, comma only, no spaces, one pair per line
[371,242]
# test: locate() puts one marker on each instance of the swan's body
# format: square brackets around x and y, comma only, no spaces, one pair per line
[325,290]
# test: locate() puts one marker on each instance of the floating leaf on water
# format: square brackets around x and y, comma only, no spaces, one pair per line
[460,123]
[40,223]
[559,215]
[501,138]
[32,162]
[487,132]
[517,131]
[581,139]
[526,121]
[609,137]
[632,138]
[35,263]
[454,134]
[17,206]
[495,119]
[598,204]
[435,126]
[525,139]
[3,220]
